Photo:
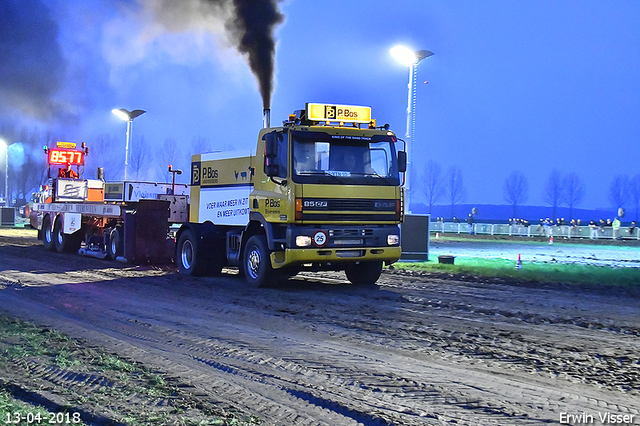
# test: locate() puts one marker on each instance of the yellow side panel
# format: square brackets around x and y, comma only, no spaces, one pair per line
[214,177]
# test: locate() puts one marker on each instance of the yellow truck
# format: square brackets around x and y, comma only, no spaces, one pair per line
[322,192]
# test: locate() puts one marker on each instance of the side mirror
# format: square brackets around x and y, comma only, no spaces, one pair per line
[271,144]
[402,161]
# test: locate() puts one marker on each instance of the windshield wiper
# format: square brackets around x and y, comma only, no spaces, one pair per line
[319,173]
[372,174]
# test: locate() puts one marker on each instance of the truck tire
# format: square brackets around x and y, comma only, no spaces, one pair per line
[65,243]
[115,246]
[187,255]
[256,262]
[47,234]
[364,273]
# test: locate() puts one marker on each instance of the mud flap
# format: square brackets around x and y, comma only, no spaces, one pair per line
[146,230]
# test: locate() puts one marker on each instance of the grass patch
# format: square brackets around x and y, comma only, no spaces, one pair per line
[9,405]
[129,381]
[543,272]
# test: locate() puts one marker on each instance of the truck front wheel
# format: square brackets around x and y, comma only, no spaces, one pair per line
[364,273]
[256,262]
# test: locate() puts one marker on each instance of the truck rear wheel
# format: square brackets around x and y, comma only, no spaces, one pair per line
[47,234]
[364,273]
[65,243]
[187,256]
[256,262]
[115,246]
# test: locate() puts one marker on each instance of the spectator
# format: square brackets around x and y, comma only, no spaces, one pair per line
[470,222]
[615,225]
[593,226]
[547,225]
[601,226]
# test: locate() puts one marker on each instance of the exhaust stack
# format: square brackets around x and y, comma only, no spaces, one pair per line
[266,118]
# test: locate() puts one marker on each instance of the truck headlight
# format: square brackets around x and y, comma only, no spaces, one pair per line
[303,241]
[393,240]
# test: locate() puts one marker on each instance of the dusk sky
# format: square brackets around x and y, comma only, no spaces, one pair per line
[526,86]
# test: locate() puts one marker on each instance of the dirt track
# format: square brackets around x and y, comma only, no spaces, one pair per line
[317,351]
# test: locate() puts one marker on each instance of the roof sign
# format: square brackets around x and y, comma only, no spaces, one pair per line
[345,113]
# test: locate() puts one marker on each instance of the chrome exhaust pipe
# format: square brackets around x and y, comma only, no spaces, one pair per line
[266,118]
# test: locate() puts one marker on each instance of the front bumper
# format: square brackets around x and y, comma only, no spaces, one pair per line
[324,256]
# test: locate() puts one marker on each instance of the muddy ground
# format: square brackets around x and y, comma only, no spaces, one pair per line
[415,350]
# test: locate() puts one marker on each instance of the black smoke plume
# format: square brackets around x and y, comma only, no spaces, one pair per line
[252,29]
[248,24]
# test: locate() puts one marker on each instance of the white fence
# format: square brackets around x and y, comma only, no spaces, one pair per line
[562,231]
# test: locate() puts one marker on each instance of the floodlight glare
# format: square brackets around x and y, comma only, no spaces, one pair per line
[404,55]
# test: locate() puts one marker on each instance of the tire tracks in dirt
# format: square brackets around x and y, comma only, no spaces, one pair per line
[413,351]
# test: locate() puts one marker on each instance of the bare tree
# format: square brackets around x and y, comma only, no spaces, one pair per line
[553,191]
[515,190]
[573,191]
[139,154]
[432,183]
[619,191]
[107,152]
[168,155]
[199,145]
[455,190]
[634,193]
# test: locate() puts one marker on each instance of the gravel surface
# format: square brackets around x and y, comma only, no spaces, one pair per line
[414,350]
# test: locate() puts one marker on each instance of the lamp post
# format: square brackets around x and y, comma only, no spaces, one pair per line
[6,171]
[127,116]
[410,58]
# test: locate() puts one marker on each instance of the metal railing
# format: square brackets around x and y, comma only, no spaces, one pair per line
[562,231]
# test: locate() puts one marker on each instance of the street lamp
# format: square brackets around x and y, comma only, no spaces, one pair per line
[410,58]
[127,116]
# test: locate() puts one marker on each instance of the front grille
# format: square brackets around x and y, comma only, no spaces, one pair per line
[347,204]
[344,217]
[350,232]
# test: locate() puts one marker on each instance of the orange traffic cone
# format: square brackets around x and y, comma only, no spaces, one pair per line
[519,262]
[551,240]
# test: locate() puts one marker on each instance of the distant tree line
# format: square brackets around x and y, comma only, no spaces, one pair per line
[561,189]
[149,160]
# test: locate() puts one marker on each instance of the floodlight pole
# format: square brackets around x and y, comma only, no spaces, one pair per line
[6,171]
[411,59]
[126,148]
[6,175]
[411,121]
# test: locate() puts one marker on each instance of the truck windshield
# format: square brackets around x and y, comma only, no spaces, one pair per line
[356,160]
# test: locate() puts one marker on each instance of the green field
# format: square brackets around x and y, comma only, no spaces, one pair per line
[543,272]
